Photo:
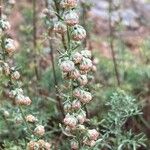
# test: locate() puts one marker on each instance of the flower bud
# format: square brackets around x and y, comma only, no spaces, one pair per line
[32,145]
[78,33]
[83,80]
[81,117]
[70,121]
[85,97]
[39,130]
[30,118]
[6,113]
[77,92]
[68,4]
[86,64]
[88,142]
[71,18]
[93,134]
[74,145]
[22,100]
[94,68]
[75,74]
[15,75]
[4,24]
[6,69]
[60,27]
[76,104]
[86,53]
[67,66]
[10,46]
[77,57]
[11,2]
[67,107]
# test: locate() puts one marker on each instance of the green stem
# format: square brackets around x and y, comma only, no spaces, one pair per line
[24,119]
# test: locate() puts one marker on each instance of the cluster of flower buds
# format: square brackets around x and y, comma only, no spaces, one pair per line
[40,144]
[75,66]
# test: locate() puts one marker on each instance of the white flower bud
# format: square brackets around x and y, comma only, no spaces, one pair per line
[15,75]
[6,69]
[74,145]
[67,4]
[32,145]
[22,100]
[81,117]
[93,134]
[76,104]
[67,107]
[10,46]
[60,27]
[4,24]
[70,121]
[75,74]
[86,53]
[71,18]
[85,97]
[86,64]
[78,33]
[39,130]
[77,57]
[77,92]
[83,80]
[30,118]
[67,66]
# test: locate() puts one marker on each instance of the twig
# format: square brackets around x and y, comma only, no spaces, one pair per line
[112,44]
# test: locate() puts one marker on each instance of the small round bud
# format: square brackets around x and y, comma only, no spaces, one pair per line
[94,68]
[6,69]
[15,75]
[77,92]
[71,18]
[10,46]
[32,145]
[78,33]
[67,66]
[81,117]
[76,104]
[86,64]
[30,118]
[60,27]
[75,74]
[77,57]
[44,145]
[6,113]
[85,97]
[70,121]
[22,100]
[67,107]
[4,24]
[93,134]
[83,80]
[86,53]
[39,130]
[74,145]
[67,4]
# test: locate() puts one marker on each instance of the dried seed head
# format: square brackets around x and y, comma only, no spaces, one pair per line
[78,33]
[70,121]
[39,130]
[4,24]
[67,66]
[30,118]
[86,54]
[83,80]
[75,74]
[93,134]
[60,27]
[86,65]
[15,75]
[77,57]
[32,145]
[71,18]
[76,104]
[74,145]
[67,4]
